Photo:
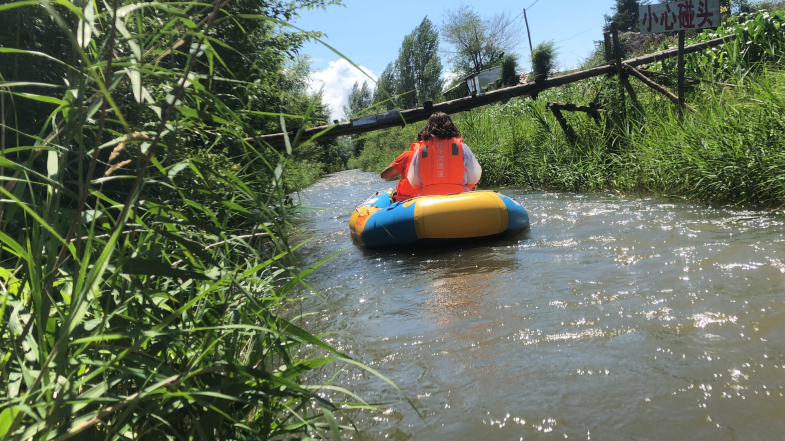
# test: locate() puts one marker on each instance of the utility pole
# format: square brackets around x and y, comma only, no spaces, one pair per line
[527,30]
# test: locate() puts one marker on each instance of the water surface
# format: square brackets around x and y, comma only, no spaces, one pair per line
[613,318]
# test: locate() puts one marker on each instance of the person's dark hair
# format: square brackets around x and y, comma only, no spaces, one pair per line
[439,125]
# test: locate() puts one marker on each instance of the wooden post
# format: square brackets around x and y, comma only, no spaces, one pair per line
[616,47]
[617,57]
[681,72]
[575,108]
[626,83]
[622,75]
[568,131]
[527,30]
[608,50]
[594,112]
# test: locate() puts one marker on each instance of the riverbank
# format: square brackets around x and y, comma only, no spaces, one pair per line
[729,150]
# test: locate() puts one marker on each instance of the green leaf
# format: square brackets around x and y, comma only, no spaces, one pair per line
[8,50]
[42,98]
[72,7]
[7,241]
[6,419]
[86,27]
[13,5]
[204,116]
[28,83]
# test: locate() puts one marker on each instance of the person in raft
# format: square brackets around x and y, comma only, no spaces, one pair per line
[403,190]
[442,163]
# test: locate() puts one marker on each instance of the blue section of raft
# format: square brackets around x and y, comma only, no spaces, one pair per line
[518,217]
[391,226]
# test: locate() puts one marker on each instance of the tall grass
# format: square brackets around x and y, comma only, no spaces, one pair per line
[731,149]
[145,292]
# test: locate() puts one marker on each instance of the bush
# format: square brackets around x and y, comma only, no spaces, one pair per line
[544,58]
[509,68]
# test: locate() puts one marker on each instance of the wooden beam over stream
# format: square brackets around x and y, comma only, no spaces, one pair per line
[396,118]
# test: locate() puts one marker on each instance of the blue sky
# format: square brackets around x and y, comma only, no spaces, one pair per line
[370,32]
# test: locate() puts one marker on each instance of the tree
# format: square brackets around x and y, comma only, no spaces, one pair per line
[385,88]
[625,14]
[360,98]
[739,6]
[419,67]
[744,6]
[415,76]
[477,43]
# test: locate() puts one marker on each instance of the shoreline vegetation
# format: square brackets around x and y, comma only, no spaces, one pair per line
[729,151]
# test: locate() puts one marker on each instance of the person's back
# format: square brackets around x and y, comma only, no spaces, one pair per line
[443,164]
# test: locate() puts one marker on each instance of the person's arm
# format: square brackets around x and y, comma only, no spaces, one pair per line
[397,167]
[473,169]
[389,173]
[414,170]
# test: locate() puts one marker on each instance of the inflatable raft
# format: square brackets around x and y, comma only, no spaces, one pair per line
[472,216]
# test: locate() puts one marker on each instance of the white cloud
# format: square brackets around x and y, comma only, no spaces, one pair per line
[449,75]
[337,81]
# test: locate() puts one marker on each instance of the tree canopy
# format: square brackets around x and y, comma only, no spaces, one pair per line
[625,14]
[415,76]
[385,88]
[360,98]
[476,43]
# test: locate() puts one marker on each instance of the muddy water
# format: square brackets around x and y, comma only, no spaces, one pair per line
[613,318]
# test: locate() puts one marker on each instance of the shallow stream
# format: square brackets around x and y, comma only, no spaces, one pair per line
[613,318]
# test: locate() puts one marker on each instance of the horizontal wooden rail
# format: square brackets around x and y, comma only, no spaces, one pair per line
[470,102]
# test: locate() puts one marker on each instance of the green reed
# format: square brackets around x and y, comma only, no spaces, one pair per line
[145,283]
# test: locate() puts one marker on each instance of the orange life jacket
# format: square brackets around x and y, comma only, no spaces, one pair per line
[441,166]
[404,189]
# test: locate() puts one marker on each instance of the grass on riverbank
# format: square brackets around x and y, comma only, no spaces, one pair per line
[731,149]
